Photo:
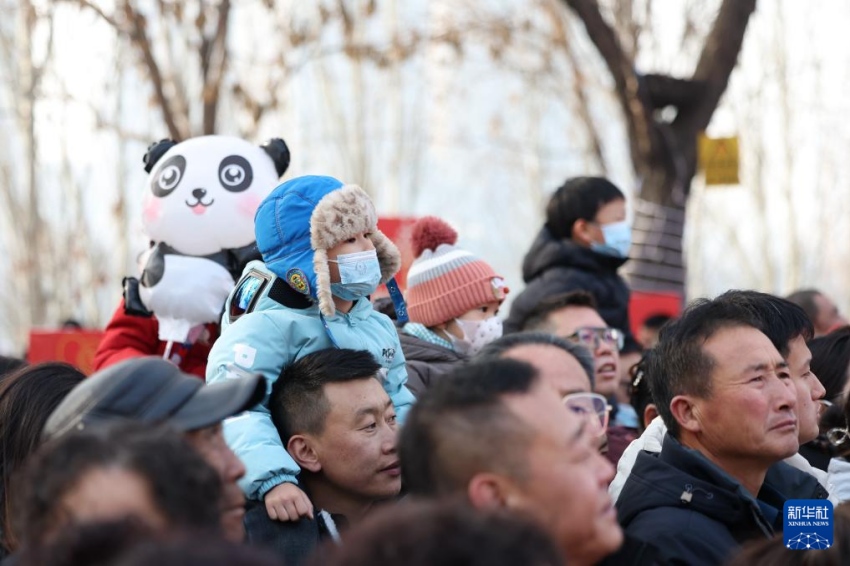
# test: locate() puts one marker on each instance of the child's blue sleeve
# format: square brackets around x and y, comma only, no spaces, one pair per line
[254,438]
[253,344]
[395,385]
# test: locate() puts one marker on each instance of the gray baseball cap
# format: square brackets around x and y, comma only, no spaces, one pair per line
[151,389]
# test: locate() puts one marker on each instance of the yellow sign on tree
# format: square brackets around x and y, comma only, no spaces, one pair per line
[718,159]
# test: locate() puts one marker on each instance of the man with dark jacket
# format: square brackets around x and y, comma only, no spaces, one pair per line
[583,243]
[788,328]
[574,316]
[726,395]
[338,423]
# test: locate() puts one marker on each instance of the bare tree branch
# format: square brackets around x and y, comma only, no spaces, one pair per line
[719,57]
[133,24]
[214,62]
[664,91]
[627,87]
[138,35]
[664,155]
[113,22]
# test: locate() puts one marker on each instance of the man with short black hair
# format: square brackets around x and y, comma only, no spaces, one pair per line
[496,433]
[566,366]
[335,419]
[543,317]
[788,328]
[573,316]
[726,395]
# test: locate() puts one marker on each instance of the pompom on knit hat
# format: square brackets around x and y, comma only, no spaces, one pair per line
[446,281]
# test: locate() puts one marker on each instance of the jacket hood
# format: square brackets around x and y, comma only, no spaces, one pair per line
[682,478]
[303,218]
[547,252]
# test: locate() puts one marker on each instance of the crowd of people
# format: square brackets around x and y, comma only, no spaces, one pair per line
[334,427]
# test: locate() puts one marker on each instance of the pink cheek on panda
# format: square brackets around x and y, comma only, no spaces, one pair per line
[247,205]
[152,211]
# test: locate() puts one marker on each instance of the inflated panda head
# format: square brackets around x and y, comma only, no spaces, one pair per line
[202,193]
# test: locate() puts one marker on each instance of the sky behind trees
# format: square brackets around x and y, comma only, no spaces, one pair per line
[474,111]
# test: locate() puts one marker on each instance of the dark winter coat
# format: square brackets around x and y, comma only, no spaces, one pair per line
[694,513]
[553,267]
[294,542]
[426,362]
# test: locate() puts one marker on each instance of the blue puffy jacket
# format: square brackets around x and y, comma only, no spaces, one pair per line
[273,336]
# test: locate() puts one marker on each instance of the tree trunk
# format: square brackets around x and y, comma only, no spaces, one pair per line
[664,153]
[656,262]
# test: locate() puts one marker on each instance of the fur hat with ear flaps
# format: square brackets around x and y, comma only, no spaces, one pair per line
[302,219]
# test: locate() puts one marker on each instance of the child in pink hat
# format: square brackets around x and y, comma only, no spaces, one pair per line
[453,299]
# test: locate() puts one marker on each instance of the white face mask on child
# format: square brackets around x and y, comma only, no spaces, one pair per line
[476,334]
[359,273]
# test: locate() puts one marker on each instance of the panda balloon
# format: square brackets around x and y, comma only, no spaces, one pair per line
[202,194]
[198,213]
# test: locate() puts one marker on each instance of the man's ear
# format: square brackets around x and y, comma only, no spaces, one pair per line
[490,491]
[686,413]
[581,232]
[649,413]
[301,448]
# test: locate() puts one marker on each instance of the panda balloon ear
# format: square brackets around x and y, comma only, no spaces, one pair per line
[155,151]
[276,149]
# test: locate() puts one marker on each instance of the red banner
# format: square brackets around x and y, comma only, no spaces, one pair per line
[76,347]
[398,230]
[644,304]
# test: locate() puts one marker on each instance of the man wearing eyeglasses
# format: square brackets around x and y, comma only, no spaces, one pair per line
[573,316]
[564,366]
[496,433]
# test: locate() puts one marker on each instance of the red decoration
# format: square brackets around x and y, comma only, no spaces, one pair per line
[644,304]
[75,347]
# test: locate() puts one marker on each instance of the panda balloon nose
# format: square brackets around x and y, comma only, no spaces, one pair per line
[199,193]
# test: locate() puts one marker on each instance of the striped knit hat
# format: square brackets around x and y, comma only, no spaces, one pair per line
[446,281]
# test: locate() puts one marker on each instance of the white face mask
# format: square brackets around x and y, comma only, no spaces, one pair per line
[476,334]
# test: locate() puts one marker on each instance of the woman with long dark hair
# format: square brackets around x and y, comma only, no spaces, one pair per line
[27,397]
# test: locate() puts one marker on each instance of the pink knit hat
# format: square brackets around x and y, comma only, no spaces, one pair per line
[444,280]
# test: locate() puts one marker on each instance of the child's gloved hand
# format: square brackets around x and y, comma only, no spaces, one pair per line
[286,502]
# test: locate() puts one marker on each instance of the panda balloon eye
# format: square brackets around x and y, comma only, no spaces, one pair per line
[168,176]
[235,173]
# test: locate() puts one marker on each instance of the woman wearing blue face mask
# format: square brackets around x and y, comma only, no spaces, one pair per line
[582,245]
[323,255]
[453,299]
